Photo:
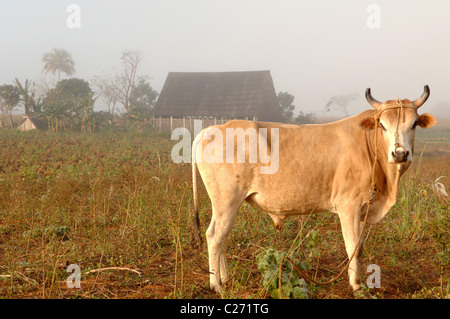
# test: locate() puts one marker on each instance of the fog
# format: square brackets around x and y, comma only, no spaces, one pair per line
[314,49]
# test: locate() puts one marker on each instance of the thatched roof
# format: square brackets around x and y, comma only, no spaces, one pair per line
[220,94]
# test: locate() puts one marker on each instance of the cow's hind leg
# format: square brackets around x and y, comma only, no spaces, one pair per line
[217,235]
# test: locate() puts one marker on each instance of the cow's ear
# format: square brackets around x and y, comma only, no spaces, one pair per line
[367,124]
[426,120]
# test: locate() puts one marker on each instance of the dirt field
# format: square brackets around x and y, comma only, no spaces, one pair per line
[117,206]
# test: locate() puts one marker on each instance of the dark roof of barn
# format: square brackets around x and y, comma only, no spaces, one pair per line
[219,94]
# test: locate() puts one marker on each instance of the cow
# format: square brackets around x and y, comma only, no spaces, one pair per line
[350,167]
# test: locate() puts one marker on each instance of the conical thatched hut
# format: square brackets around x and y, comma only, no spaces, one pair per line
[32,123]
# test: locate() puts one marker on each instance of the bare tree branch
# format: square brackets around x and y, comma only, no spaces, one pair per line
[119,87]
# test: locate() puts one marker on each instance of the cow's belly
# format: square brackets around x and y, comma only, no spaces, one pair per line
[285,206]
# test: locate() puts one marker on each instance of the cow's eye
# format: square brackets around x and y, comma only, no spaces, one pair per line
[382,126]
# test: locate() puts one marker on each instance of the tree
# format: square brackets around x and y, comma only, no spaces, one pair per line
[106,89]
[287,108]
[341,101]
[85,113]
[119,87]
[142,100]
[9,98]
[27,97]
[58,60]
[70,102]
[55,109]
[128,79]
[305,118]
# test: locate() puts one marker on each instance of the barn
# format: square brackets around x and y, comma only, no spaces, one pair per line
[219,96]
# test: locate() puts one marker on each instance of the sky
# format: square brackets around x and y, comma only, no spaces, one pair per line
[313,49]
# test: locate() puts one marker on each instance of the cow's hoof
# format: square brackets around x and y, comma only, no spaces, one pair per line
[355,287]
[216,288]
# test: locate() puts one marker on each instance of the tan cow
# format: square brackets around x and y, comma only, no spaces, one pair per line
[323,167]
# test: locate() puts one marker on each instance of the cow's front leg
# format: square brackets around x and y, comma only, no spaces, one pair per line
[350,224]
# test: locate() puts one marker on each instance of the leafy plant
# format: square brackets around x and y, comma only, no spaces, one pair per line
[57,231]
[311,242]
[292,286]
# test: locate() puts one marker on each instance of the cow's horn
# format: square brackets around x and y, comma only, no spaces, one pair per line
[426,93]
[376,104]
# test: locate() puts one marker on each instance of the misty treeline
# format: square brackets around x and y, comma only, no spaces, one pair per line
[285,101]
[70,103]
[336,102]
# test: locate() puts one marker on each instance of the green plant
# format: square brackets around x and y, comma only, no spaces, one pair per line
[50,231]
[277,271]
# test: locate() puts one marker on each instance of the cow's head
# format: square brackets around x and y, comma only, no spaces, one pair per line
[397,120]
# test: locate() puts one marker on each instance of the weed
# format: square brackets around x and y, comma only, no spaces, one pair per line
[279,276]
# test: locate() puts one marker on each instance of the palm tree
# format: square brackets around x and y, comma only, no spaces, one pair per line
[58,60]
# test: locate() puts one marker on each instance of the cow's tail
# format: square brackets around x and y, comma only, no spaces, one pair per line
[195,219]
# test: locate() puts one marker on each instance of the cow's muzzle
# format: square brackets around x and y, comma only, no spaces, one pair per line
[400,154]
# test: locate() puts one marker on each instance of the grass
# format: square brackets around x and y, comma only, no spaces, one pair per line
[116,205]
